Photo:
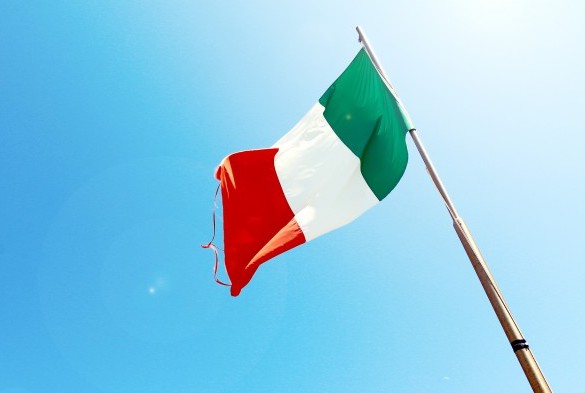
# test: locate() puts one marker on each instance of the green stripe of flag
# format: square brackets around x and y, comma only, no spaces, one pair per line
[367,117]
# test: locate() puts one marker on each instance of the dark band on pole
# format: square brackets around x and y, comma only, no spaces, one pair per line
[519,344]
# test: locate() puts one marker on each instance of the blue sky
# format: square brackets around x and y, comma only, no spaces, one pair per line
[113,116]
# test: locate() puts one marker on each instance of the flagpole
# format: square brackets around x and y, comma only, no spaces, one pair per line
[523,353]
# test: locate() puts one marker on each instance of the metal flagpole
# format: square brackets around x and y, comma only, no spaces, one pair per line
[523,353]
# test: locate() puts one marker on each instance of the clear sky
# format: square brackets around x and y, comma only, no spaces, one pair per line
[114,114]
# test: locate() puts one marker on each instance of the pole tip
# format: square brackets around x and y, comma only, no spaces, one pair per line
[359,31]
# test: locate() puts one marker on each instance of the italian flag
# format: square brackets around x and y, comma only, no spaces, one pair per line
[344,156]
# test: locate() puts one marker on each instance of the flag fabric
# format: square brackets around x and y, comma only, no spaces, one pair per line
[344,156]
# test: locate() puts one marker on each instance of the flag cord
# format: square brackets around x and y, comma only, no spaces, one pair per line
[212,246]
[524,355]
